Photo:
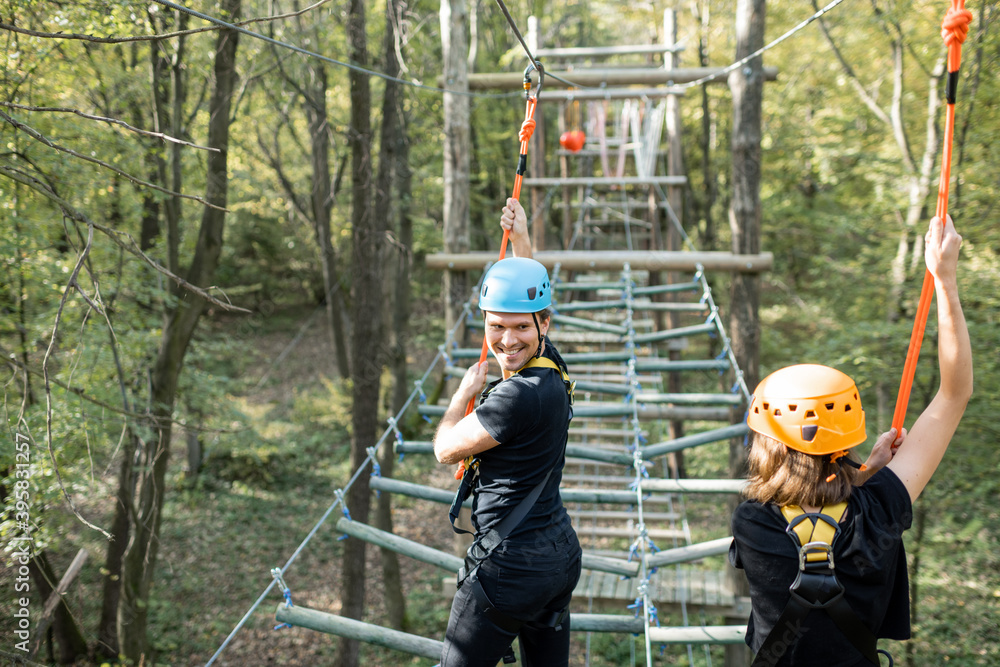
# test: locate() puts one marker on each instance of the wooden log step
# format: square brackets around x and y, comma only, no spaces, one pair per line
[690,399]
[604,181]
[618,481]
[400,545]
[621,515]
[711,634]
[602,432]
[425,647]
[589,325]
[561,336]
[369,633]
[694,485]
[628,531]
[594,454]
[569,495]
[579,286]
[689,553]
[411,490]
[670,334]
[615,376]
[668,366]
[648,290]
[614,260]
[696,440]
[609,496]
[645,412]
[670,306]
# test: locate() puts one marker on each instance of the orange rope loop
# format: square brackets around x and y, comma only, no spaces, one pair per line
[954,30]
[527,129]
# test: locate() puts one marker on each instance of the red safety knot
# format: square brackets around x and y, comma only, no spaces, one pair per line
[954,30]
[527,129]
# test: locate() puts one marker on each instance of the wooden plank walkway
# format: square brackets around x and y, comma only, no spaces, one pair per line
[708,588]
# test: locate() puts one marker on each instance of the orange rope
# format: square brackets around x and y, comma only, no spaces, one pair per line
[527,129]
[954,30]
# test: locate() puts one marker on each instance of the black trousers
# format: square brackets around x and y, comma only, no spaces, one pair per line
[521,578]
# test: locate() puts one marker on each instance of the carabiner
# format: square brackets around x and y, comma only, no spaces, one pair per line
[535,66]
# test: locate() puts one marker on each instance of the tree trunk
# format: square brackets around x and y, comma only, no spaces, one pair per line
[107,632]
[140,555]
[322,197]
[710,185]
[72,644]
[388,164]
[367,239]
[747,86]
[454,45]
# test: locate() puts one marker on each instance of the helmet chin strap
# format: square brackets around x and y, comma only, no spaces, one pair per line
[538,352]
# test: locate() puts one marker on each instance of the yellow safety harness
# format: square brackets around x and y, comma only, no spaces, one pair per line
[816,586]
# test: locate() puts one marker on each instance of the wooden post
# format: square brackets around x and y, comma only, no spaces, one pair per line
[457,147]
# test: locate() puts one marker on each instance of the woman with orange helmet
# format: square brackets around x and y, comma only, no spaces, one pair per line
[820,535]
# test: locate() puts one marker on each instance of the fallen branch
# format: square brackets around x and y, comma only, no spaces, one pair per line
[42,622]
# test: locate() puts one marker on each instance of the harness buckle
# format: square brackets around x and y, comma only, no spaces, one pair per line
[811,548]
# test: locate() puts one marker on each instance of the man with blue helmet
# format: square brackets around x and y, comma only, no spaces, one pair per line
[521,570]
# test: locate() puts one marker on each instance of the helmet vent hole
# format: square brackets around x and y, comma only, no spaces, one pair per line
[809,433]
[810,414]
[847,407]
[829,406]
[531,293]
[777,412]
[767,406]
[793,408]
[485,288]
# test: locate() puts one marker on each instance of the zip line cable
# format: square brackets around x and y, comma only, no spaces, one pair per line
[954,30]
[327,59]
[742,61]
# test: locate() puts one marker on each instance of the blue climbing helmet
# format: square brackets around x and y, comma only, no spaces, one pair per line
[516,285]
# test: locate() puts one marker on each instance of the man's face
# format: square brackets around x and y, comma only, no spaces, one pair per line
[513,339]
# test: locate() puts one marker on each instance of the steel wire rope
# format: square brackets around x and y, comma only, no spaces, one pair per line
[327,59]
[417,391]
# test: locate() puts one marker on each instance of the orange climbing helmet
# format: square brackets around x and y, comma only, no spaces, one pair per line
[810,408]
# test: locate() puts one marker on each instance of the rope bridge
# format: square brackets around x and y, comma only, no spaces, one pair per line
[631,521]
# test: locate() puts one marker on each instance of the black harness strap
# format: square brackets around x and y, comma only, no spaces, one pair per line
[815,587]
[484,546]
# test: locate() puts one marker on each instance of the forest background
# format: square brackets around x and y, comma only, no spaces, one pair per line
[226,430]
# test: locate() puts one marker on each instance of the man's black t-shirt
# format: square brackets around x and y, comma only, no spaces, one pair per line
[528,414]
[869,561]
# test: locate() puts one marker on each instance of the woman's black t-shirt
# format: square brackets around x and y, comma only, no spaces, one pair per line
[528,414]
[869,562]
